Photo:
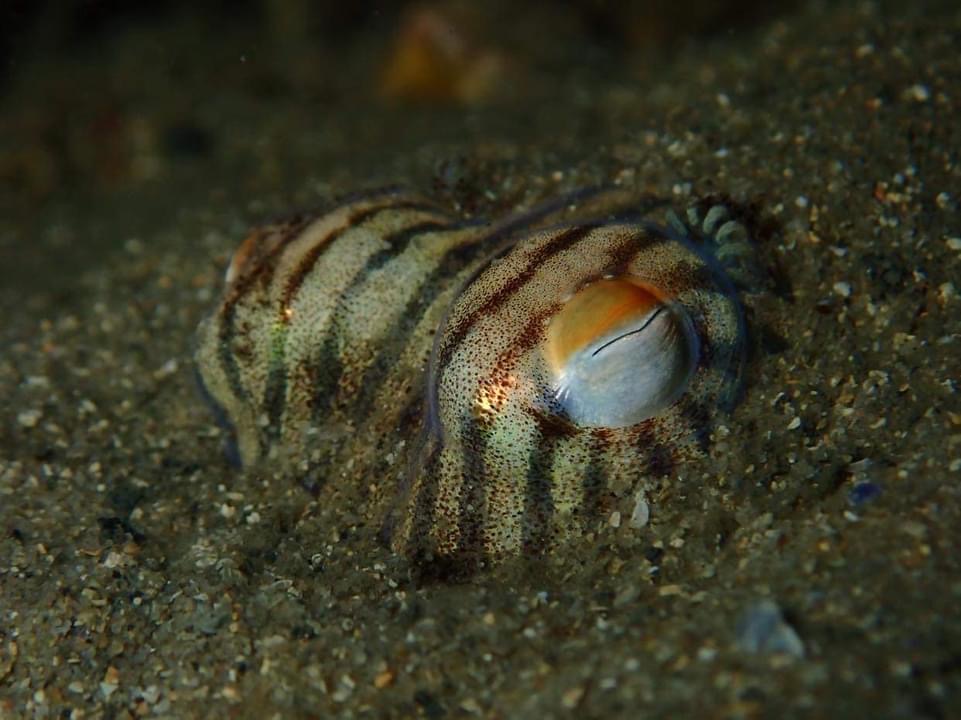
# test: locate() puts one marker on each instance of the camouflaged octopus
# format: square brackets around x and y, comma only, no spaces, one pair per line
[531,368]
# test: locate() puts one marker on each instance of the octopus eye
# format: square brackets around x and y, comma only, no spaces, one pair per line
[619,353]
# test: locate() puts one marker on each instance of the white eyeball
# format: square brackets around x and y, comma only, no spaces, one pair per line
[619,353]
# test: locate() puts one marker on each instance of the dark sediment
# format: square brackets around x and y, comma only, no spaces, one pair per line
[141,573]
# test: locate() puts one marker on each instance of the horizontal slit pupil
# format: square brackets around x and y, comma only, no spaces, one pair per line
[631,332]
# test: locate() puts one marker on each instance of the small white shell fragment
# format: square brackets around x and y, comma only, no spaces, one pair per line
[763,629]
[167,369]
[794,424]
[642,511]
[706,654]
[115,560]
[29,418]
[947,292]
[918,93]
[843,289]
[572,697]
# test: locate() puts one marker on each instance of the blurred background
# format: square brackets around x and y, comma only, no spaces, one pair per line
[102,95]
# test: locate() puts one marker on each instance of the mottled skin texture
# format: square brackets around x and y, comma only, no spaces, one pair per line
[326,342]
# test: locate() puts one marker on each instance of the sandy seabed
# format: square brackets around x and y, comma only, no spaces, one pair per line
[142,575]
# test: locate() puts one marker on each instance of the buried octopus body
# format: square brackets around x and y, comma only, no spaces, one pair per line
[527,368]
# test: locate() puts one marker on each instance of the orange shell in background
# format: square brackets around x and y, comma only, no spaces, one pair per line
[434,59]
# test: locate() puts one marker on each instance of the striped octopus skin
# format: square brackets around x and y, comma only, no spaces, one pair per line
[529,372]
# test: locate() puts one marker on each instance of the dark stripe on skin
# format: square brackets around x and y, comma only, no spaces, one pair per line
[471,514]
[296,278]
[684,275]
[410,414]
[660,460]
[275,388]
[594,497]
[561,242]
[711,352]
[552,426]
[698,418]
[595,481]
[421,506]
[261,270]
[626,251]
[705,348]
[529,336]
[228,357]
[442,277]
[397,243]
[275,391]
[231,449]
[407,418]
[327,366]
[658,457]
[732,372]
[260,266]
[538,498]
[422,452]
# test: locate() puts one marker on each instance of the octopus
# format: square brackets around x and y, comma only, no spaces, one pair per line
[530,371]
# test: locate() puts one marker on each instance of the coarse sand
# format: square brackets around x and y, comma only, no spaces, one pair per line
[808,567]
